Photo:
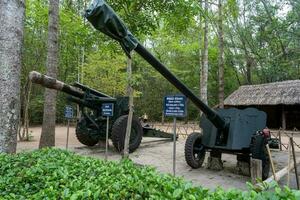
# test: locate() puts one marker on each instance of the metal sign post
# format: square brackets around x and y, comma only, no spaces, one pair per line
[106,137]
[174,147]
[107,111]
[68,116]
[175,106]
[67,143]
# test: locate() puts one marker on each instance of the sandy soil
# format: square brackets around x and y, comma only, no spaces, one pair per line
[158,154]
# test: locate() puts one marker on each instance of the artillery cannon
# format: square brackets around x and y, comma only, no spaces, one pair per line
[91,127]
[224,130]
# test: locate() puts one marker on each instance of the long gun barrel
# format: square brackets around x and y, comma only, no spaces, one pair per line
[52,83]
[79,94]
[210,113]
[104,19]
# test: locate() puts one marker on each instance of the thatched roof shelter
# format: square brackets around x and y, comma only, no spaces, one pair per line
[280,100]
[278,93]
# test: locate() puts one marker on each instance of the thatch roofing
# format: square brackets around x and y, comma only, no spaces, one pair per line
[278,93]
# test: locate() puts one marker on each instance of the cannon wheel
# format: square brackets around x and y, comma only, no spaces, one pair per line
[194,150]
[259,151]
[84,135]
[119,131]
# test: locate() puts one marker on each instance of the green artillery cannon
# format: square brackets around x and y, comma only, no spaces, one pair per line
[91,127]
[232,131]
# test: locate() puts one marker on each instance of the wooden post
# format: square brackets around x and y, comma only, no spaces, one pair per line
[295,163]
[256,170]
[281,173]
[130,115]
[289,164]
[283,118]
[271,161]
[279,136]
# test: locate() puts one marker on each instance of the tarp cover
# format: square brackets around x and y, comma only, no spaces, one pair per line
[104,19]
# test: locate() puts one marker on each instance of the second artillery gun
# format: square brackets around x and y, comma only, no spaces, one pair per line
[91,127]
[231,131]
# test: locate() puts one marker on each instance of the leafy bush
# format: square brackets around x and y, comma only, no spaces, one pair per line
[58,174]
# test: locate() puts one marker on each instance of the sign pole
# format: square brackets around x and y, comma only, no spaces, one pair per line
[106,141]
[174,148]
[67,143]
[68,116]
[175,106]
[107,111]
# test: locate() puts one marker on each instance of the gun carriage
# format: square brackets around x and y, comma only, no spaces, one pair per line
[91,127]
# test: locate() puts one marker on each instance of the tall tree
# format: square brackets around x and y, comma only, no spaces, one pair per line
[11,41]
[200,48]
[221,54]
[204,71]
[48,129]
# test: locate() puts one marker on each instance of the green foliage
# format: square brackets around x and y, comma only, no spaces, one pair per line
[36,109]
[267,36]
[232,8]
[106,73]
[58,174]
[261,44]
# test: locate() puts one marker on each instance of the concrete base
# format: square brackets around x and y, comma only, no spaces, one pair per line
[101,143]
[243,168]
[215,163]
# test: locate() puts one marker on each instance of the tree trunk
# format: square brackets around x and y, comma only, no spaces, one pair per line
[25,135]
[204,71]
[200,51]
[248,63]
[248,70]
[221,55]
[234,59]
[11,39]
[48,129]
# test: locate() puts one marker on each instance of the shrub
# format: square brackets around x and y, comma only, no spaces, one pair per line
[58,174]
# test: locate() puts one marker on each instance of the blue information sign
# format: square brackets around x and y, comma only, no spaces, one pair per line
[108,109]
[68,112]
[175,106]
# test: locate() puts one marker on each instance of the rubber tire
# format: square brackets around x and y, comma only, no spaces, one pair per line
[85,138]
[259,151]
[119,131]
[190,159]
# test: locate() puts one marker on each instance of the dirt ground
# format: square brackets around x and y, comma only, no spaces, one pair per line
[158,154]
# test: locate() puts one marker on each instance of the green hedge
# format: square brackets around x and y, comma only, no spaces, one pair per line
[58,174]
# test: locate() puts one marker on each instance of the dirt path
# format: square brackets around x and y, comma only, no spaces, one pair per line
[159,154]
